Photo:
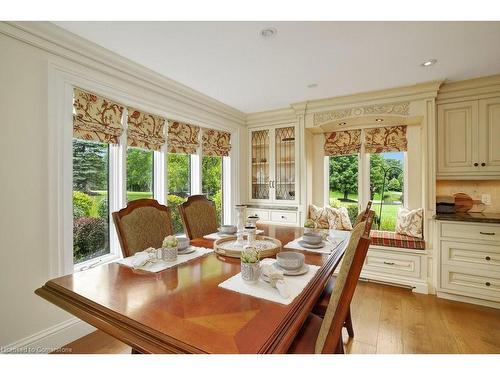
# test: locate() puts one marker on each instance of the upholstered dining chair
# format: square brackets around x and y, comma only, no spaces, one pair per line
[199,216]
[322,304]
[143,223]
[319,335]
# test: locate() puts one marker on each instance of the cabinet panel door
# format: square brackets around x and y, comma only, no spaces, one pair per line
[284,173]
[457,137]
[489,134]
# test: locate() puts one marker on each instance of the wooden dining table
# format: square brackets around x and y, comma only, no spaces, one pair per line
[182,309]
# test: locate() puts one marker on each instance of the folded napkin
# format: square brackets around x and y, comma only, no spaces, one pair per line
[275,276]
[141,258]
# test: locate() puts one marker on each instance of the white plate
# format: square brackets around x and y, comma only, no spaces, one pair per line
[311,246]
[298,272]
[188,250]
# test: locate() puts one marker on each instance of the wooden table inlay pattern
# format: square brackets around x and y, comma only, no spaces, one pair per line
[182,309]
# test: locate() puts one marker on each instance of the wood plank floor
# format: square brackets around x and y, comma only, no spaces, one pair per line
[388,320]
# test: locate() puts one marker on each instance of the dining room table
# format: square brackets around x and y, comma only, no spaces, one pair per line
[182,309]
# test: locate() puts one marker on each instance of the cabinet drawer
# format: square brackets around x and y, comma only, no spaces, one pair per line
[472,282]
[471,255]
[392,263]
[263,215]
[284,217]
[471,231]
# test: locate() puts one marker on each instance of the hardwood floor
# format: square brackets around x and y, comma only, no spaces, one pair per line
[388,320]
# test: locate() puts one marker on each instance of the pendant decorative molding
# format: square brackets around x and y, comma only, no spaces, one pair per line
[401,108]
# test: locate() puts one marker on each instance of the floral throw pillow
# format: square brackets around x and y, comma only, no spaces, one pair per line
[322,216]
[410,222]
[342,221]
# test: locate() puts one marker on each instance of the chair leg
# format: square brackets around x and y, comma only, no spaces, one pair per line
[348,323]
[134,351]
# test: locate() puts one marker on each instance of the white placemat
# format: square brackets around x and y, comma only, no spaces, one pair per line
[161,265]
[261,289]
[216,236]
[334,239]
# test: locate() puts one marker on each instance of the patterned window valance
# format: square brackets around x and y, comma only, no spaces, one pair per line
[145,130]
[96,118]
[346,142]
[386,139]
[182,138]
[216,143]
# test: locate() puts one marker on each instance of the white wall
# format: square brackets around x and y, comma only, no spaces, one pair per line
[24,174]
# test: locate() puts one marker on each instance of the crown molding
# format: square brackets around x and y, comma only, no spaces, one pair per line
[273,117]
[399,94]
[475,87]
[59,42]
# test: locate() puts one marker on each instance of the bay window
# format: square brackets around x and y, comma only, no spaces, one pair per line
[140,173]
[212,182]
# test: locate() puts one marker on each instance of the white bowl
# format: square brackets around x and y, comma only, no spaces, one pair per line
[182,243]
[312,238]
[290,260]
[228,229]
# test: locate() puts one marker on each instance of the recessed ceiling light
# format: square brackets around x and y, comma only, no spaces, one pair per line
[429,63]
[268,32]
[379,119]
[312,85]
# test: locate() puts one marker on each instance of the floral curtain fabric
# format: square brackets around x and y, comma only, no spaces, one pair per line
[215,143]
[96,118]
[145,130]
[346,142]
[386,139]
[182,138]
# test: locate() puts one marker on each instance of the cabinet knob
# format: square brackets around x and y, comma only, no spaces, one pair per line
[487,258]
[283,217]
[487,283]
[476,164]
[483,164]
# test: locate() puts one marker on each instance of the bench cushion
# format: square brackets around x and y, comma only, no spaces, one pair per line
[393,239]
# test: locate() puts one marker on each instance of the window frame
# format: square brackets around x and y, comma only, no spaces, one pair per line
[363,178]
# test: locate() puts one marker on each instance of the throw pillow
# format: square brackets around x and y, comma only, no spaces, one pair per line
[410,222]
[342,221]
[322,216]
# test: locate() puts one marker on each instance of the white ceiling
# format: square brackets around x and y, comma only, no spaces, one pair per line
[232,63]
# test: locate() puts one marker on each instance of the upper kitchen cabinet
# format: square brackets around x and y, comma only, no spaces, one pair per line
[468,139]
[273,168]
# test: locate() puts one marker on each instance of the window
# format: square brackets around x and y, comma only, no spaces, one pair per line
[90,200]
[139,173]
[343,183]
[212,182]
[387,174]
[179,185]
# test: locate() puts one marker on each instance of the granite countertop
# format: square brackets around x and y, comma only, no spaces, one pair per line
[488,217]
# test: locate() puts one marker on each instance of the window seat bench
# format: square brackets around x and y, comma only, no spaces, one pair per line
[393,239]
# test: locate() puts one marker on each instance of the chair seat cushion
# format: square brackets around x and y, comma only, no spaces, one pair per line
[305,341]
[393,239]
[322,304]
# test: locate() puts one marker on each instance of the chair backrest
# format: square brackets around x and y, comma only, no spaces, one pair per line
[364,214]
[143,223]
[345,284]
[199,216]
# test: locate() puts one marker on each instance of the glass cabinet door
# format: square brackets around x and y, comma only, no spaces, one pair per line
[284,149]
[260,164]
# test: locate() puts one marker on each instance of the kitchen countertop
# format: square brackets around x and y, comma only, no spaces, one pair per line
[488,217]
[269,207]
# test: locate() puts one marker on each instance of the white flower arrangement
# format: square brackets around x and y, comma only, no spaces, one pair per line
[250,255]
[170,241]
[310,224]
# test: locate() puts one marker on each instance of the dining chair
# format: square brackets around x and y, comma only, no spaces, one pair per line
[322,304]
[143,223]
[324,335]
[199,216]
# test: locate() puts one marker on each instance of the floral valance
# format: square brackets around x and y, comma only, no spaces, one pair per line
[345,142]
[182,138]
[215,143]
[145,130]
[96,118]
[386,139]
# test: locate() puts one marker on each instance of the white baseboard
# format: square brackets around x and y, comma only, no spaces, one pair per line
[51,338]
[475,301]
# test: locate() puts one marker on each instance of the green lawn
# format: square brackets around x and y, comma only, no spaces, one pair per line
[101,194]
[390,196]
